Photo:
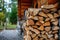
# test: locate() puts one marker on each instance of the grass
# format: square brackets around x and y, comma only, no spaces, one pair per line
[1,27]
[9,26]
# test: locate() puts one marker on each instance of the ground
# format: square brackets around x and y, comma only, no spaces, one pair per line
[10,35]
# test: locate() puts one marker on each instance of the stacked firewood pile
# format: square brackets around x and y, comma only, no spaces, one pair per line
[41,24]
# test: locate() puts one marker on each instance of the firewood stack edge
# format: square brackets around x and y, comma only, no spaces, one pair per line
[41,24]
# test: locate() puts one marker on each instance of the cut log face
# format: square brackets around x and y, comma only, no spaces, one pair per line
[46,24]
[55,32]
[53,10]
[50,16]
[53,20]
[33,35]
[42,25]
[41,21]
[36,12]
[41,38]
[36,18]
[38,23]
[41,28]
[44,36]
[34,30]
[43,32]
[56,15]
[56,36]
[42,14]
[55,28]
[52,39]
[47,19]
[50,32]
[36,38]
[41,18]
[47,29]
[55,23]
[35,26]
[30,22]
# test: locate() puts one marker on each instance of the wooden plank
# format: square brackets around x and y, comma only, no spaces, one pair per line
[26,1]
[25,4]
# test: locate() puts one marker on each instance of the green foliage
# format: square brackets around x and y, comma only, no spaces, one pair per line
[13,17]
[2,16]
[13,14]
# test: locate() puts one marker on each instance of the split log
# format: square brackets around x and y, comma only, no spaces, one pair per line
[55,22]
[47,19]
[56,36]
[53,19]
[41,28]
[38,23]
[55,28]
[49,35]
[53,10]
[51,39]
[36,38]
[30,22]
[33,35]
[41,38]
[35,26]
[34,30]
[43,32]
[41,18]
[47,23]
[42,25]
[42,14]
[55,32]
[47,29]
[41,21]
[56,15]
[44,36]
[50,15]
